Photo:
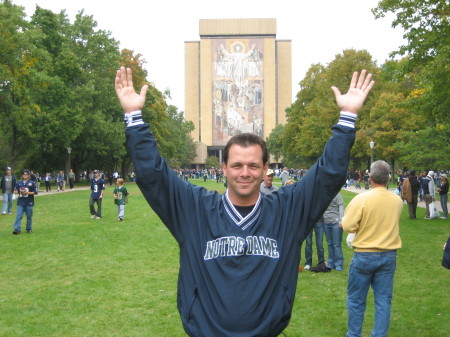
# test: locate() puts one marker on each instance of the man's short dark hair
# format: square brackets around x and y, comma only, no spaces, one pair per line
[379,172]
[246,140]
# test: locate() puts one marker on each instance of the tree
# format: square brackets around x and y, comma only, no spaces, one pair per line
[313,114]
[179,148]
[427,33]
[56,91]
[74,92]
[430,156]
[389,120]
[212,161]
[274,142]
[17,59]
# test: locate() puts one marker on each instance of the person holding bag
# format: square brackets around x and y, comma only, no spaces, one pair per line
[429,193]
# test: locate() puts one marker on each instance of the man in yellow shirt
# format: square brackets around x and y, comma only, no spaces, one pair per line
[374,217]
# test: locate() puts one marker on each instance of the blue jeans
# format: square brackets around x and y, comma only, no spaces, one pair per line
[7,203]
[28,210]
[444,199]
[318,230]
[376,270]
[333,234]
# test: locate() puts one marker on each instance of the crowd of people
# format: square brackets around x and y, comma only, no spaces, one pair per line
[27,187]
[424,187]
[242,248]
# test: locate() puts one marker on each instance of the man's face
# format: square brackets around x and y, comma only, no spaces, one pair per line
[8,172]
[244,171]
[268,180]
[25,176]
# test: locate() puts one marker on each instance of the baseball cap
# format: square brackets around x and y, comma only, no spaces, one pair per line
[96,171]
[269,172]
[25,171]
[8,168]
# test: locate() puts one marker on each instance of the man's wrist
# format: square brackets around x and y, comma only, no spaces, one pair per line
[347,119]
[133,118]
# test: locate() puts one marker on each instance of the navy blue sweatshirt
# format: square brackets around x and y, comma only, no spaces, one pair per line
[238,276]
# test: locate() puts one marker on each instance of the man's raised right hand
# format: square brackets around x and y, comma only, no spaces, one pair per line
[128,97]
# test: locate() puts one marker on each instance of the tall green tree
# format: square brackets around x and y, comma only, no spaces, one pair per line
[17,59]
[313,114]
[389,120]
[73,89]
[178,148]
[427,48]
[274,142]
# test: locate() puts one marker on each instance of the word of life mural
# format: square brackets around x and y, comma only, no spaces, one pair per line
[237,88]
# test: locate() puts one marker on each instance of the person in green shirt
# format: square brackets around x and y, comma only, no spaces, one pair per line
[120,198]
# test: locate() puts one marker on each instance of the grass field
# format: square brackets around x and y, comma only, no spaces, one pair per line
[75,276]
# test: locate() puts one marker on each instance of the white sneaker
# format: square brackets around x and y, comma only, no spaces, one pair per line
[93,216]
[307,267]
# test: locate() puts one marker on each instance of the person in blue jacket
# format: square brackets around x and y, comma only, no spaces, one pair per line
[97,188]
[239,251]
[26,190]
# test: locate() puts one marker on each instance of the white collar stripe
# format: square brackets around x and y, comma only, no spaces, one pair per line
[252,221]
[237,217]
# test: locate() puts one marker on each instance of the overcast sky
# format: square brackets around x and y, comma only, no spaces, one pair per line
[158,29]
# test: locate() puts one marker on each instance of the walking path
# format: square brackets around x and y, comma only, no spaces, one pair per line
[83,188]
[55,191]
[419,204]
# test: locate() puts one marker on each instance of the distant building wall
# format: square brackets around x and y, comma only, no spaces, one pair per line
[237,79]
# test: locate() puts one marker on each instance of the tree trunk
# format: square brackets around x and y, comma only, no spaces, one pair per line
[12,147]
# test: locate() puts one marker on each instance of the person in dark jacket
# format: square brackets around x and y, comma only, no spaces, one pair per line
[25,190]
[446,256]
[239,251]
[443,195]
[8,184]
[411,192]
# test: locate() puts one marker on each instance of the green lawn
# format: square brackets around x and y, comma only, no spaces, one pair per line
[75,276]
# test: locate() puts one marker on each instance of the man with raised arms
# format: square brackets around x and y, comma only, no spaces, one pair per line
[239,251]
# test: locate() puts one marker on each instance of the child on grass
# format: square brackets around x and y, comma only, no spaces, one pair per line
[120,198]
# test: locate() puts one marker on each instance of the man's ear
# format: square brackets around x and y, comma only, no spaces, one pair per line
[224,169]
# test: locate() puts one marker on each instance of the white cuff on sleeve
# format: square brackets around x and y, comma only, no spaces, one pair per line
[133,118]
[347,119]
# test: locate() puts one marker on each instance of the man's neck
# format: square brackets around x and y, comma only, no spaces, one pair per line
[375,185]
[242,202]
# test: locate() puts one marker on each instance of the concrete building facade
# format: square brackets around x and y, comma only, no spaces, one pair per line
[238,78]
